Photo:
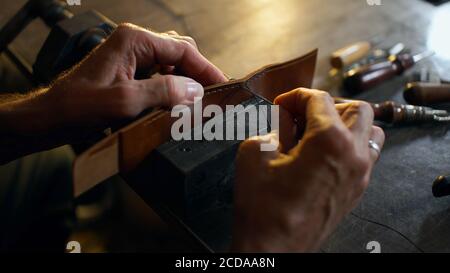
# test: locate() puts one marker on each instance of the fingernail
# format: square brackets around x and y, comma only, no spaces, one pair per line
[194,90]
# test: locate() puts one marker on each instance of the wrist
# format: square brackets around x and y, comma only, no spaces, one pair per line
[28,115]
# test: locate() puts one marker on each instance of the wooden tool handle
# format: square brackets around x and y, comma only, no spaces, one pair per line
[441,186]
[349,54]
[422,93]
[363,78]
[366,77]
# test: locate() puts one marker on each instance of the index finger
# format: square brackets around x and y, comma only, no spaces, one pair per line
[152,48]
[314,108]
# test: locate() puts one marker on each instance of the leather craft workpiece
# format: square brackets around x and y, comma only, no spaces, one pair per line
[123,150]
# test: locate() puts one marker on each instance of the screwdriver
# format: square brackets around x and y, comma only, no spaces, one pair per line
[425,93]
[363,78]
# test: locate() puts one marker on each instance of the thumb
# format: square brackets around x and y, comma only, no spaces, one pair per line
[170,90]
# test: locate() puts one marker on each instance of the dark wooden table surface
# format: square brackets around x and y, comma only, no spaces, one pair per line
[398,210]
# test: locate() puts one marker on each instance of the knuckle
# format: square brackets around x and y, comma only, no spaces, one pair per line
[187,44]
[380,133]
[247,150]
[124,35]
[378,130]
[125,101]
[124,29]
[169,83]
[190,40]
[248,145]
[320,94]
[171,94]
[361,107]
[336,140]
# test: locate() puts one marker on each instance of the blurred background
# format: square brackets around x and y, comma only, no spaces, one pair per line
[240,36]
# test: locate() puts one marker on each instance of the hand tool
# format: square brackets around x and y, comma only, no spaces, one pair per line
[383,54]
[400,114]
[441,186]
[366,77]
[396,49]
[424,93]
[350,54]
[378,55]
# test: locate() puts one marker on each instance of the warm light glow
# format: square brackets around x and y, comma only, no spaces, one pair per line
[439,33]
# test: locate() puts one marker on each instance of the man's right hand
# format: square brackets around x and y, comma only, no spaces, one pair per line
[290,200]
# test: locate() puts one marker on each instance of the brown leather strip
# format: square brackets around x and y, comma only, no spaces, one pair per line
[274,80]
[140,138]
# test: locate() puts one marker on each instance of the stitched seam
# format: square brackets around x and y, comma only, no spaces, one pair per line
[224,88]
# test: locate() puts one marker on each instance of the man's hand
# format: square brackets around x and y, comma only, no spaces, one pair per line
[102,89]
[292,199]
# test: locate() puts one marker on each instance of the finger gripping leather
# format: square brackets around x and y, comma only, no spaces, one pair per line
[123,150]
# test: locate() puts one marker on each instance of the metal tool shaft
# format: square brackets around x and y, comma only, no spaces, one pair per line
[398,114]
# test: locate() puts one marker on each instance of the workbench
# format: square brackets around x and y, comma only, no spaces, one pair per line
[398,210]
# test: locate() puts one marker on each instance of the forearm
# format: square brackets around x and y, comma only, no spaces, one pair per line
[26,114]
[27,125]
